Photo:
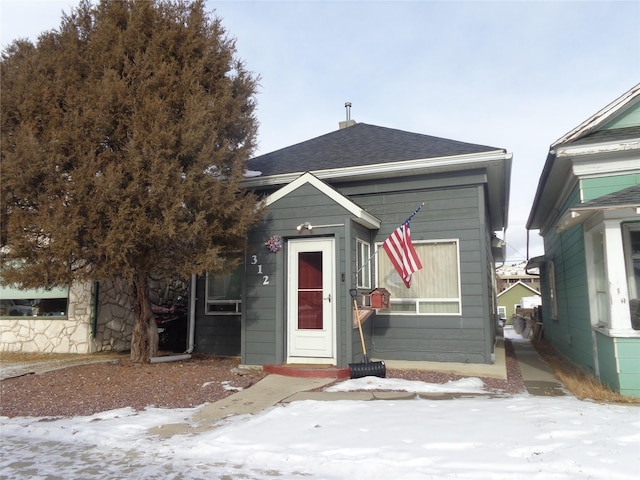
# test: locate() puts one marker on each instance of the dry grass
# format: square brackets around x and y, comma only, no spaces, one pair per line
[15,357]
[579,382]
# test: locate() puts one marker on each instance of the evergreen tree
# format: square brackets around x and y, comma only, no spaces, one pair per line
[124,139]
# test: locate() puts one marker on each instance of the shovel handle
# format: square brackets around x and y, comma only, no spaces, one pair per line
[364,347]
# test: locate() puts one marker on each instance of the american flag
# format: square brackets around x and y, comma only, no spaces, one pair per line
[401,252]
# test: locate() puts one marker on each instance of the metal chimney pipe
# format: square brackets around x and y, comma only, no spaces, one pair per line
[348,107]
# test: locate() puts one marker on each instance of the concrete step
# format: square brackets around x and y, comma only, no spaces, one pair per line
[308,371]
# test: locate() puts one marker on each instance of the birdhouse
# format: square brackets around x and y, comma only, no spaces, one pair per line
[377,298]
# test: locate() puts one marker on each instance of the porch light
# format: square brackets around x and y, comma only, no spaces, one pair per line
[304,226]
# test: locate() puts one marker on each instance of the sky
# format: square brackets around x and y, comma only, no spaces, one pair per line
[475,438]
[516,75]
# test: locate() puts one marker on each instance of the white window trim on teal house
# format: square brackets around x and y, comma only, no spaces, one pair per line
[631,257]
[618,320]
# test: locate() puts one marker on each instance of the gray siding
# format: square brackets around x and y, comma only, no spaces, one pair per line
[456,209]
[264,318]
[215,334]
[450,213]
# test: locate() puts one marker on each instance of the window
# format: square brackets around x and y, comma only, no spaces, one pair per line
[34,303]
[552,290]
[363,264]
[502,312]
[631,242]
[224,292]
[435,289]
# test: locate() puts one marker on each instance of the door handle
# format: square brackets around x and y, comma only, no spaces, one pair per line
[328,298]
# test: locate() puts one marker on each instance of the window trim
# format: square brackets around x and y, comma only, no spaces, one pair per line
[627,228]
[633,279]
[363,264]
[553,292]
[212,303]
[421,300]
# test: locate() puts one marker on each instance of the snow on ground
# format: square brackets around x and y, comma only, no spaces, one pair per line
[468,438]
[464,385]
[550,438]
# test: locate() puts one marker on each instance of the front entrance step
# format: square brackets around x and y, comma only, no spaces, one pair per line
[308,371]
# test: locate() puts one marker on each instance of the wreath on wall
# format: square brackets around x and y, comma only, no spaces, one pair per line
[274,244]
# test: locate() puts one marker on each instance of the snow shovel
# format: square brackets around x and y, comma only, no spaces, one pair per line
[366,368]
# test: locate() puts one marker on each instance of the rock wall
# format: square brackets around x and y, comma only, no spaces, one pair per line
[115,318]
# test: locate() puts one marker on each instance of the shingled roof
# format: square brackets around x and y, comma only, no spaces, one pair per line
[626,198]
[609,135]
[359,144]
[622,199]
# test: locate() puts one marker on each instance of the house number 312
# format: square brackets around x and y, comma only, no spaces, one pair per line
[254,261]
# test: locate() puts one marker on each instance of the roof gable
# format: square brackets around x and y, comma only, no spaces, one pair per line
[520,285]
[629,117]
[358,145]
[360,215]
[621,113]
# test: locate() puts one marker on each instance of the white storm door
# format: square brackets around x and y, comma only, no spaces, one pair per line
[311,301]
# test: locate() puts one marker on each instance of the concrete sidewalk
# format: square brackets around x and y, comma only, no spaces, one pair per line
[536,373]
[268,392]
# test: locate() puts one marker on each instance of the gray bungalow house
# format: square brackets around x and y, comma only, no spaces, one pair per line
[587,209]
[330,203]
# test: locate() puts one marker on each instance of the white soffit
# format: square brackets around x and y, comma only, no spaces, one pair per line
[599,148]
[576,216]
[384,170]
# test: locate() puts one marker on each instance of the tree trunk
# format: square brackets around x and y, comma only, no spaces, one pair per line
[144,339]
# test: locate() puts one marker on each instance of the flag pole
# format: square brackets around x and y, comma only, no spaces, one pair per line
[414,213]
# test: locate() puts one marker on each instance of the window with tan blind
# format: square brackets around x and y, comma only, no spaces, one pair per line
[435,289]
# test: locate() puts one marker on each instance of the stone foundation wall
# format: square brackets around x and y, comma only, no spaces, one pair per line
[115,318]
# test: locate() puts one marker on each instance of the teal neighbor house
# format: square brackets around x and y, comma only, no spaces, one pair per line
[587,209]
